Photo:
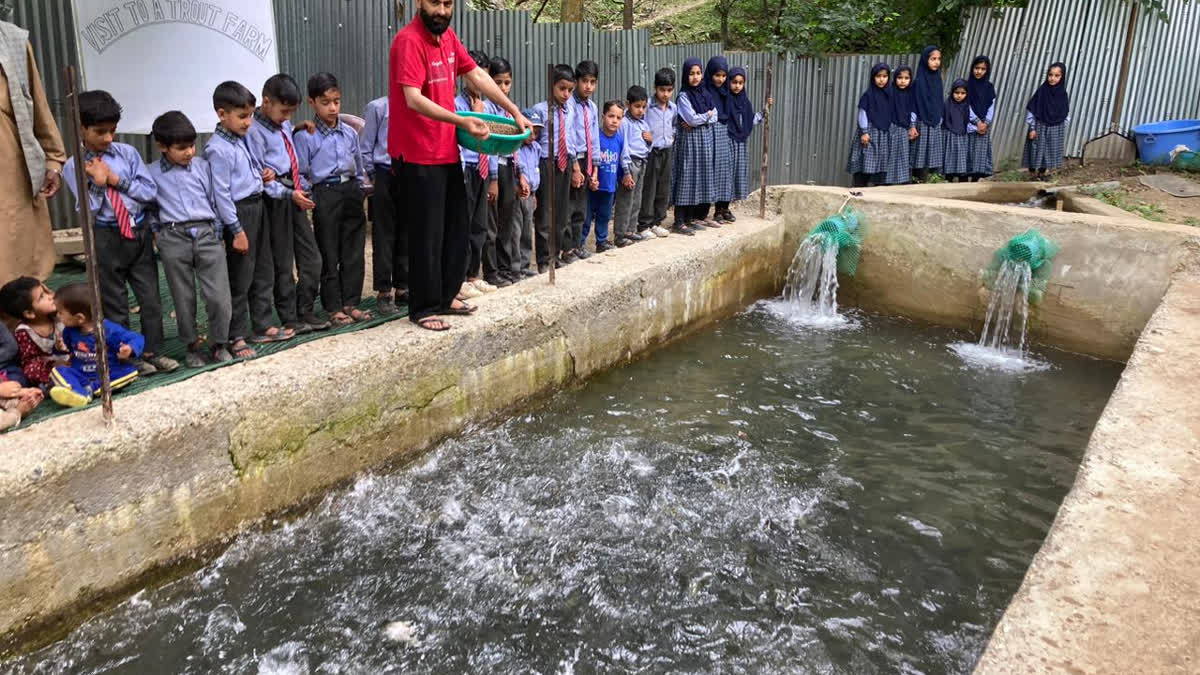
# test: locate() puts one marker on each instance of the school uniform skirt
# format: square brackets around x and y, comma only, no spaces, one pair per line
[899,171]
[954,161]
[741,169]
[722,164]
[930,147]
[979,154]
[871,159]
[692,167]
[1045,151]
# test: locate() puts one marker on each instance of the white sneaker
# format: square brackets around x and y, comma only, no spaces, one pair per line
[469,291]
[648,233]
[660,231]
[484,286]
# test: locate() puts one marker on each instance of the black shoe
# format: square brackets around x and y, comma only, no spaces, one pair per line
[567,258]
[606,246]
[582,253]
[498,281]
[623,242]
[529,274]
[684,230]
[313,321]
[543,268]
[299,327]
[636,236]
[727,217]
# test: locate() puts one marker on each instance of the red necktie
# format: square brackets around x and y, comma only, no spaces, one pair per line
[484,170]
[124,220]
[287,143]
[562,142]
[587,132]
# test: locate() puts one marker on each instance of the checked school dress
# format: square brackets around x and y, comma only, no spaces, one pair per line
[954,162]
[899,168]
[722,164]
[979,154]
[929,149]
[871,159]
[1045,151]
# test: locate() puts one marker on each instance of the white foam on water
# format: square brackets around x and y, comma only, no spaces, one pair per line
[1004,360]
[803,316]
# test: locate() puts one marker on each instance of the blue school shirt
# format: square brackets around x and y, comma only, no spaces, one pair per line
[528,157]
[568,116]
[662,123]
[686,113]
[331,152]
[184,193]
[236,174]
[631,130]
[82,346]
[374,135]
[577,136]
[469,156]
[136,186]
[266,142]
[611,161]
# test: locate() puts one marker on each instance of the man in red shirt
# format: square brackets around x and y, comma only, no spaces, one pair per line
[426,58]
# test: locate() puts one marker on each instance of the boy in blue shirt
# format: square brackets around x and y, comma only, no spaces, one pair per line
[529,159]
[293,243]
[584,138]
[238,196]
[635,131]
[612,164]
[389,239]
[189,238]
[118,189]
[481,173]
[77,383]
[556,169]
[331,163]
[656,192]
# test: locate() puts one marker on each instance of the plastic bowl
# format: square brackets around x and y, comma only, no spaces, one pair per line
[495,144]
[1156,140]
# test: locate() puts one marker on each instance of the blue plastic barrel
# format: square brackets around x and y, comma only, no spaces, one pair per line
[1156,140]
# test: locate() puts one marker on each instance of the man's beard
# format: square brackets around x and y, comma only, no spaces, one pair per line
[435,24]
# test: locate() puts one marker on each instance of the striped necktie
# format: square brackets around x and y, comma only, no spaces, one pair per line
[562,141]
[587,132]
[124,220]
[484,169]
[287,143]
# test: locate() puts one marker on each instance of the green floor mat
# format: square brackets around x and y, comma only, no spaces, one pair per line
[175,348]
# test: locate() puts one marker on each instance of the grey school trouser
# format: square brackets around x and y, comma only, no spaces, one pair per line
[522,227]
[188,262]
[629,202]
[656,193]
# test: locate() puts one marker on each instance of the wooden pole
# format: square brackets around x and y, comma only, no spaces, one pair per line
[762,183]
[551,223]
[83,218]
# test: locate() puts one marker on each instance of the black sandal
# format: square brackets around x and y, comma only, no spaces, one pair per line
[424,323]
[465,310]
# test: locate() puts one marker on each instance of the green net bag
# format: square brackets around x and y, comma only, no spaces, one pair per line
[1029,247]
[842,230]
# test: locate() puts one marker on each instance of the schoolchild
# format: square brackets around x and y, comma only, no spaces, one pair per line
[238,195]
[118,189]
[389,238]
[956,124]
[481,176]
[503,242]
[16,398]
[331,165]
[903,131]
[742,120]
[293,243]
[656,193]
[635,132]
[929,149]
[529,160]
[584,136]
[981,95]
[868,160]
[716,78]
[612,165]
[557,167]
[1046,116]
[189,239]
[75,384]
[692,185]
[37,338]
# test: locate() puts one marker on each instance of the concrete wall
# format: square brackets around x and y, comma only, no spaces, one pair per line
[923,257]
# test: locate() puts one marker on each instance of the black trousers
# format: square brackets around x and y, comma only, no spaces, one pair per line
[573,233]
[252,275]
[656,192]
[389,252]
[477,218]
[340,224]
[435,199]
[501,246]
[560,183]
[123,261]
[296,259]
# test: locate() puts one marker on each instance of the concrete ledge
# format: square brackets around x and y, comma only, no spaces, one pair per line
[86,509]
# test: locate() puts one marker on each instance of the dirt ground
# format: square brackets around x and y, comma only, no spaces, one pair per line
[1149,203]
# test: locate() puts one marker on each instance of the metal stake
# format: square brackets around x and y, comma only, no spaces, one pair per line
[762,183]
[551,223]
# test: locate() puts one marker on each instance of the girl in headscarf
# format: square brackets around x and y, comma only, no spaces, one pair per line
[956,125]
[903,130]
[869,150]
[716,77]
[1047,115]
[929,149]
[742,120]
[981,97]
[692,164]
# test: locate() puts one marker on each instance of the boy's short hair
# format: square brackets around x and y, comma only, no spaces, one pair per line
[322,82]
[665,77]
[230,95]
[636,94]
[282,88]
[16,297]
[499,66]
[76,298]
[173,128]
[481,58]
[609,105]
[587,68]
[563,72]
[98,107]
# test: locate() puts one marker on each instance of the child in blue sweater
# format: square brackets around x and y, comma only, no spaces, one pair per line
[612,165]
[75,384]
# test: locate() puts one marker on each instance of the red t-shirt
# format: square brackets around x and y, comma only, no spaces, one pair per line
[419,59]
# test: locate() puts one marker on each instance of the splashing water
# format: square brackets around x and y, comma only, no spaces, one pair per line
[812,281]
[1002,343]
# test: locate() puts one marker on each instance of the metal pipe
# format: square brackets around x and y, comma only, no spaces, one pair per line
[552,224]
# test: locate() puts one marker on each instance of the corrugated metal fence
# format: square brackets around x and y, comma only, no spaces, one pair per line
[813,119]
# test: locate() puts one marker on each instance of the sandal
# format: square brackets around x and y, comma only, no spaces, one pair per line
[358,315]
[274,334]
[339,319]
[241,350]
[463,310]
[427,321]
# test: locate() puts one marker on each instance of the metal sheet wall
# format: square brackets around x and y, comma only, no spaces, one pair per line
[1162,77]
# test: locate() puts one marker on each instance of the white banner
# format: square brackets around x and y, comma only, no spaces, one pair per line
[160,55]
